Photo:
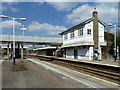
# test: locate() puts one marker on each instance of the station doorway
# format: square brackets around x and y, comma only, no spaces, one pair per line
[75,53]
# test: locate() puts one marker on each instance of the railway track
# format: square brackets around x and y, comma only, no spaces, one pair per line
[111,76]
[106,73]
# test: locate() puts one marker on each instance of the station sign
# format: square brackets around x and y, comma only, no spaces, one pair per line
[114,49]
[23,28]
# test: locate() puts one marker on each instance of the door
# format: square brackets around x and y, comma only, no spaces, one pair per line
[75,53]
[49,52]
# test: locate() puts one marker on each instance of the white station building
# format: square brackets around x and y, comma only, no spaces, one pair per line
[78,41]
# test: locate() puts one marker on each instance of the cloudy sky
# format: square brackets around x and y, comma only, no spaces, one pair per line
[51,18]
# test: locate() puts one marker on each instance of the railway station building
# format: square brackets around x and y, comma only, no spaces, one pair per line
[80,41]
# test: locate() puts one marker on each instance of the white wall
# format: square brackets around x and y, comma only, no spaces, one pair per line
[91,53]
[101,32]
[70,53]
[89,26]
[83,53]
[85,37]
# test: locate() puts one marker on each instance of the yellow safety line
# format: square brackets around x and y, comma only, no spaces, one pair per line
[72,77]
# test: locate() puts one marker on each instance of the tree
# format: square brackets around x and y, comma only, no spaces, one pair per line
[109,37]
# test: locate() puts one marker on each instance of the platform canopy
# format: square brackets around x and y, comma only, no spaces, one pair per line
[82,44]
[44,48]
[31,39]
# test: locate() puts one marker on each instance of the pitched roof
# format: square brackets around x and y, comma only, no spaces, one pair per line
[82,24]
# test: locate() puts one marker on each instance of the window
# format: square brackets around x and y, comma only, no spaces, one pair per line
[72,34]
[80,32]
[65,37]
[89,31]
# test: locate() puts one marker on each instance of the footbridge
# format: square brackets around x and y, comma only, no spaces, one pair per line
[20,40]
[31,39]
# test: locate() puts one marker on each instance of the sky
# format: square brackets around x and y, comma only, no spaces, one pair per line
[51,18]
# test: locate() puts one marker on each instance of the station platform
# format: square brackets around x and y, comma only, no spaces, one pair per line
[35,76]
[104,62]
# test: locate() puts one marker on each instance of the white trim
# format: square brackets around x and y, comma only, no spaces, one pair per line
[43,48]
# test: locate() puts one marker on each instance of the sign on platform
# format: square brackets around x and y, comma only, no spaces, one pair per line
[23,28]
[114,49]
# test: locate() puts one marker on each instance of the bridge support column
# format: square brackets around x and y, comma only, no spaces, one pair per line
[22,56]
[18,50]
[11,51]
[64,53]
[8,51]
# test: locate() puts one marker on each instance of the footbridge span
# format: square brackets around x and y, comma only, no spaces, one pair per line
[31,39]
[26,39]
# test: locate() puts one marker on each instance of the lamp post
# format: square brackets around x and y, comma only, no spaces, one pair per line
[115,42]
[3,16]
[118,48]
[115,49]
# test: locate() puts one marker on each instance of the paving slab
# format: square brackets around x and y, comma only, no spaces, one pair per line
[34,77]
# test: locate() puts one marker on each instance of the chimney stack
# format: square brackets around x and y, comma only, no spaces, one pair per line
[95,29]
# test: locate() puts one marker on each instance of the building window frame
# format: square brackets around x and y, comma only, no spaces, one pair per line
[80,32]
[65,36]
[72,34]
[89,31]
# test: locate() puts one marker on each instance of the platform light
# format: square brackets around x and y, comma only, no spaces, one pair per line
[115,48]
[24,19]
[109,24]
[3,16]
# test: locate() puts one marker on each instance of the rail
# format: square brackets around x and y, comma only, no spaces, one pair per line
[106,72]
